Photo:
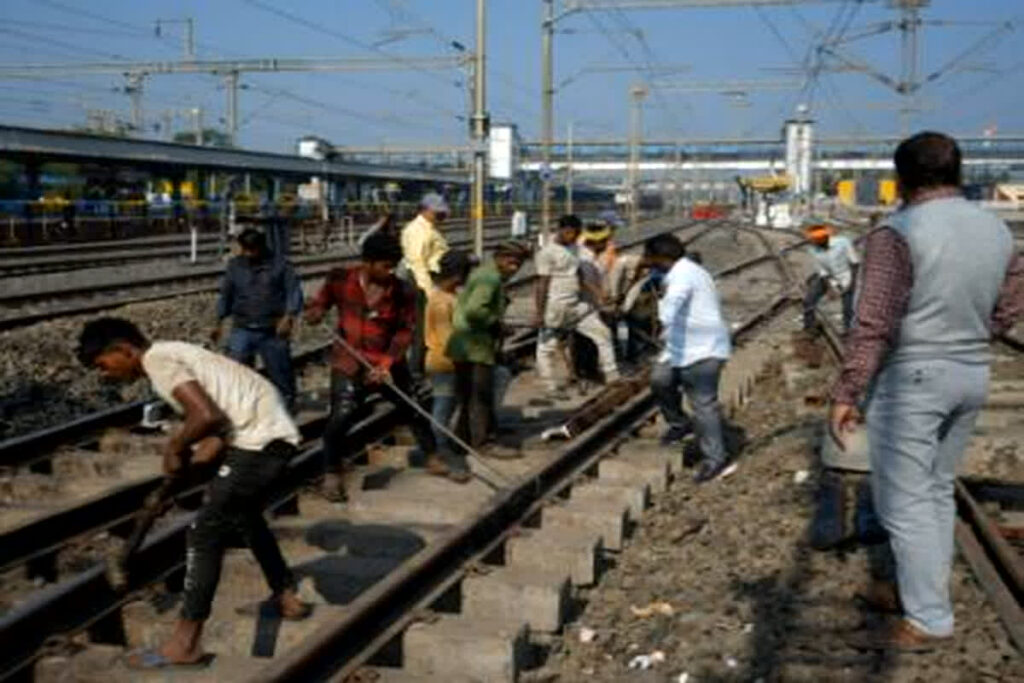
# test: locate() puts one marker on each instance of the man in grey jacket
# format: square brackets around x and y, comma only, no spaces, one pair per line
[262,296]
[941,277]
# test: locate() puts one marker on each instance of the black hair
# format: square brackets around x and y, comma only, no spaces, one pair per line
[99,335]
[928,159]
[381,246]
[570,220]
[252,239]
[453,264]
[664,246]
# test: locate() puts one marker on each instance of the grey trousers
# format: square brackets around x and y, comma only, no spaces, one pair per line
[920,416]
[700,382]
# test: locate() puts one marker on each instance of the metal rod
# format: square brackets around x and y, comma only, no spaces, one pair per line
[548,114]
[480,125]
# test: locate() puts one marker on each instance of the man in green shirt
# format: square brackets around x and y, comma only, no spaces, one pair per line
[475,343]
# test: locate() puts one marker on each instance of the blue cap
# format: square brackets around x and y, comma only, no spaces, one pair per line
[434,202]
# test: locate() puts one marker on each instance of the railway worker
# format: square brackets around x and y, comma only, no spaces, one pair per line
[941,277]
[262,296]
[453,268]
[475,343]
[376,317]
[837,263]
[560,307]
[696,346]
[423,245]
[226,407]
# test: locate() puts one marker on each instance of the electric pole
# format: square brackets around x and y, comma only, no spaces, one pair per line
[480,125]
[568,173]
[231,85]
[637,94]
[548,114]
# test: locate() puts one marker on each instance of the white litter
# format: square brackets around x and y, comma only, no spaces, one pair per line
[683,678]
[748,628]
[731,662]
[644,662]
[587,635]
[800,476]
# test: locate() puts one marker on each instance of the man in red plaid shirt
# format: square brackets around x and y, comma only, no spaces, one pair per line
[376,316]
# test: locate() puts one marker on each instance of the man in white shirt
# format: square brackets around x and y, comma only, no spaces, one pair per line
[561,307]
[696,346]
[837,264]
[228,407]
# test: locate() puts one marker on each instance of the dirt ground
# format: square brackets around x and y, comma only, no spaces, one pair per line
[747,599]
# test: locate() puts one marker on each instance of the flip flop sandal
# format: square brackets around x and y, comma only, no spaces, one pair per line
[270,609]
[152,660]
[460,476]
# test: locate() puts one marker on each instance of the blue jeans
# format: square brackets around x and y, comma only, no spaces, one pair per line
[700,382]
[443,407]
[245,344]
[920,416]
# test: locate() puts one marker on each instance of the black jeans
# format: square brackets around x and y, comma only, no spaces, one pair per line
[816,289]
[235,500]
[474,391]
[348,406]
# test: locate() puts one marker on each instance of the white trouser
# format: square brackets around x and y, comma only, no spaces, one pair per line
[584,320]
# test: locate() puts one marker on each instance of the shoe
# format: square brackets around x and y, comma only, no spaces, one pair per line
[881,596]
[707,471]
[673,435]
[899,635]
[333,488]
[436,466]
[501,452]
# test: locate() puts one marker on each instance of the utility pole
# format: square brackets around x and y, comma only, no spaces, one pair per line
[231,85]
[568,173]
[637,94]
[481,124]
[134,90]
[197,124]
[548,113]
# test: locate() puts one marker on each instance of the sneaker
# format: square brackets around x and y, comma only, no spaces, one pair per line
[707,471]
[673,435]
[898,635]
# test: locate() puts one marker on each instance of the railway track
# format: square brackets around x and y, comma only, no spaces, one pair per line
[30,306]
[61,607]
[175,248]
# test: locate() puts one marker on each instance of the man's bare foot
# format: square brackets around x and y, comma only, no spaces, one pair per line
[291,607]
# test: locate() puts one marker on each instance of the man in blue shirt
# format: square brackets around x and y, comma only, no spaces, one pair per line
[262,296]
[696,346]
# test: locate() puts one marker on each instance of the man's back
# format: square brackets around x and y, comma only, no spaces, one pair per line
[561,264]
[959,254]
[251,403]
[836,260]
[691,315]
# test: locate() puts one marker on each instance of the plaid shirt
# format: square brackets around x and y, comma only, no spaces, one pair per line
[887,281]
[382,333]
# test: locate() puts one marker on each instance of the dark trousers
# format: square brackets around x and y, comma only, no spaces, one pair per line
[418,349]
[235,500]
[700,382]
[816,290]
[245,344]
[348,406]
[474,391]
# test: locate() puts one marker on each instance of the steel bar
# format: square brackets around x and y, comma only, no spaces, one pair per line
[1010,561]
[1006,604]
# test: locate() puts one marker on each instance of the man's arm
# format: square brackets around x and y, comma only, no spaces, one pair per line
[885,294]
[402,338]
[292,301]
[540,297]
[225,302]
[203,418]
[676,295]
[1010,305]
[323,300]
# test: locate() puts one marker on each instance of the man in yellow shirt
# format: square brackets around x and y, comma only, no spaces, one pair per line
[423,245]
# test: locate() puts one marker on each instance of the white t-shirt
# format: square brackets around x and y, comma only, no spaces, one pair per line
[562,265]
[691,317]
[837,260]
[252,404]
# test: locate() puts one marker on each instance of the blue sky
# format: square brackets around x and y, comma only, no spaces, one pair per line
[425,107]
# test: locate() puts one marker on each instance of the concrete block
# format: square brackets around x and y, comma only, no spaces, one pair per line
[548,550]
[606,519]
[989,420]
[634,496]
[1005,400]
[856,457]
[632,467]
[673,454]
[539,598]
[456,648]
[390,507]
